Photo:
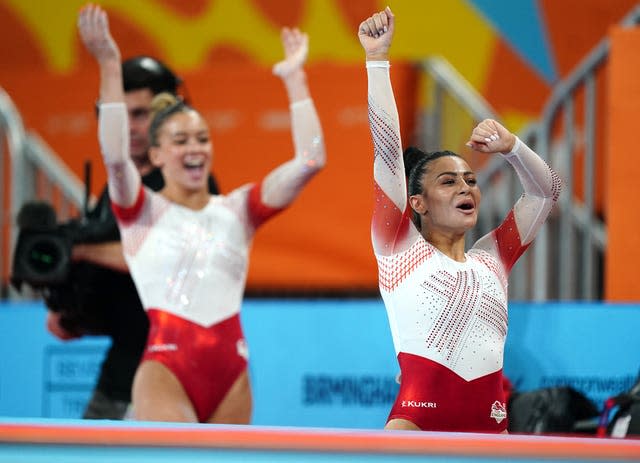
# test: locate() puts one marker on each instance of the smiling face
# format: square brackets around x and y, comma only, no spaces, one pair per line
[450,197]
[184,151]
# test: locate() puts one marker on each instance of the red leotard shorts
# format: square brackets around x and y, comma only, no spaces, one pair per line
[206,361]
[436,399]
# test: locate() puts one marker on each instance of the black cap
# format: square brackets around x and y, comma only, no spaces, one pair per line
[147,72]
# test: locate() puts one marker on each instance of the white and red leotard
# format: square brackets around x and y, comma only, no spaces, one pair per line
[448,319]
[190,266]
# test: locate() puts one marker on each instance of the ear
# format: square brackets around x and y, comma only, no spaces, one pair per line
[418,204]
[154,156]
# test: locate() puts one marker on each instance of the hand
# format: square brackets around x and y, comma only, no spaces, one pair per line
[55,327]
[375,34]
[93,26]
[490,136]
[296,47]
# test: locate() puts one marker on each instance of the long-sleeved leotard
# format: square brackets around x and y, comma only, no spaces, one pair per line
[448,319]
[190,266]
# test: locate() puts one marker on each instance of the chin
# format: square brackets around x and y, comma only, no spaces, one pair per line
[192,187]
[469,224]
[472,224]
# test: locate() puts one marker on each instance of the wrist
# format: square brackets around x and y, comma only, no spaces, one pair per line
[512,144]
[296,77]
[377,56]
[296,85]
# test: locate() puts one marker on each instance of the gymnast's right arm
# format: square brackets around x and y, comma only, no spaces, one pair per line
[113,131]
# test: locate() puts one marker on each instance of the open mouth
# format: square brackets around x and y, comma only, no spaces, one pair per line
[193,163]
[466,206]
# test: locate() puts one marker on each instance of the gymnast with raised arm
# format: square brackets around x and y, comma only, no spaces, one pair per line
[447,307]
[188,251]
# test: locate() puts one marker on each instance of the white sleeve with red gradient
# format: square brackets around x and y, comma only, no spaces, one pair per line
[391,227]
[113,133]
[541,190]
[282,185]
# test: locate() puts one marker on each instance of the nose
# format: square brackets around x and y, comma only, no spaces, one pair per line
[464,187]
[193,144]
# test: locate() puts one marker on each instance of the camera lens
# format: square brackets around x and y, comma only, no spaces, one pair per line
[44,256]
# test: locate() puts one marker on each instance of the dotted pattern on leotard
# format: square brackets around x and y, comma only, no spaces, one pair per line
[385,139]
[461,292]
[492,264]
[494,313]
[394,269]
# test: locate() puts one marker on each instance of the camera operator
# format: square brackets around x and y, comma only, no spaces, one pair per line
[111,302]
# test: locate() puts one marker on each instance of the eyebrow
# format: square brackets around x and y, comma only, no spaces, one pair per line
[468,172]
[186,134]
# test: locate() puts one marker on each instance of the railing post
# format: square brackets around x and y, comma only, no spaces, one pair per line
[566,268]
[15,137]
[540,272]
[590,289]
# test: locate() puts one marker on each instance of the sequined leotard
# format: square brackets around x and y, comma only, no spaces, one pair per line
[448,319]
[190,266]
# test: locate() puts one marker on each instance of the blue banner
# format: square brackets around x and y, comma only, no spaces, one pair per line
[329,363]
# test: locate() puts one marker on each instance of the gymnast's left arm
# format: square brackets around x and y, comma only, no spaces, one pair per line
[284,184]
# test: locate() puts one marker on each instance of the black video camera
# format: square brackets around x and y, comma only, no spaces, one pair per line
[42,257]
[42,260]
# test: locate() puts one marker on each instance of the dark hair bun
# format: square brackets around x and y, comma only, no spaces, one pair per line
[411,157]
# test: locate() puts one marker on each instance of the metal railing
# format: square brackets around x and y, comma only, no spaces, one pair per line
[451,101]
[450,97]
[581,229]
[565,260]
[35,172]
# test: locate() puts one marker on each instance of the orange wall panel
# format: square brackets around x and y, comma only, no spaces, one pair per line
[322,242]
[623,215]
